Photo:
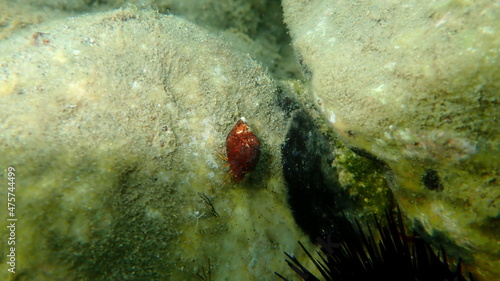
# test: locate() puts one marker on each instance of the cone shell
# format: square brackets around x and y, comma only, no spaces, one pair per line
[243,150]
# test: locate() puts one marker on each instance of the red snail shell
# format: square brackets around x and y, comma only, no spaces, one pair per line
[243,149]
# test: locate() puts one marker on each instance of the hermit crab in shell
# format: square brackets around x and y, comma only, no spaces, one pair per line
[243,150]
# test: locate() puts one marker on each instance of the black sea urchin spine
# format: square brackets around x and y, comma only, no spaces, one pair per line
[394,256]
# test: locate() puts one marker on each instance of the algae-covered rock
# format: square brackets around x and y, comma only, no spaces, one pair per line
[253,26]
[113,123]
[19,14]
[417,85]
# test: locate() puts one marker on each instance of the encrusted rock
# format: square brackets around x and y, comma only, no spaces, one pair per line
[417,85]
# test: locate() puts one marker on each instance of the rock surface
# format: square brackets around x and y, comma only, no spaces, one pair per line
[113,123]
[416,85]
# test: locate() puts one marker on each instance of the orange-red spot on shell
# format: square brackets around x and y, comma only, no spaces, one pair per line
[243,150]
